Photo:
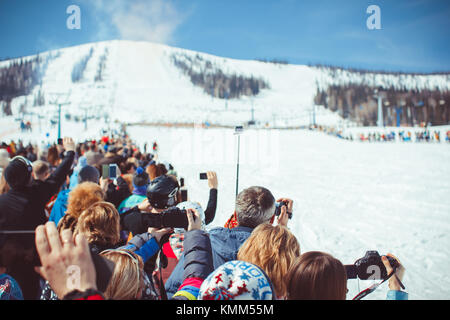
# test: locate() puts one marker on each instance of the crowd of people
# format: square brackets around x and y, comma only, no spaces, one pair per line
[422,135]
[406,136]
[120,235]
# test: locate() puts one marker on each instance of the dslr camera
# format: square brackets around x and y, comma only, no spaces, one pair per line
[278,206]
[173,217]
[370,267]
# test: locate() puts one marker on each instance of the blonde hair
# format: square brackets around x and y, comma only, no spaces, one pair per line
[100,223]
[127,281]
[273,249]
[82,197]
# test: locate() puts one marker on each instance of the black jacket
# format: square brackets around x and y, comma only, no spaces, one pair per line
[211,207]
[23,208]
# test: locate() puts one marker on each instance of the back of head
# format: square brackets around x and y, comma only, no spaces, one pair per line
[82,197]
[129,180]
[53,156]
[40,169]
[316,276]
[18,172]
[140,179]
[273,249]
[254,206]
[100,224]
[4,158]
[162,192]
[88,174]
[237,280]
[127,281]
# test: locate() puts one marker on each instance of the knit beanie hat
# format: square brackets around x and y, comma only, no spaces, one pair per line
[237,280]
[141,178]
[9,288]
[88,173]
[18,172]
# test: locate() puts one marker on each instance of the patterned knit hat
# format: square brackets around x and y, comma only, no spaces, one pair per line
[237,280]
[9,288]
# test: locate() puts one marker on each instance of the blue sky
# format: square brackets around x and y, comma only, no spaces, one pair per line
[415,34]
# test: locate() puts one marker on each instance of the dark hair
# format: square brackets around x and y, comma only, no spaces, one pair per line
[53,156]
[254,206]
[316,276]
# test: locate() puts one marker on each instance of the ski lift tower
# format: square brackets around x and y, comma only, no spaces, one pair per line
[377,95]
[57,101]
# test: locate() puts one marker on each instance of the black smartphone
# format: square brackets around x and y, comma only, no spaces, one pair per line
[184,195]
[60,141]
[203,176]
[181,182]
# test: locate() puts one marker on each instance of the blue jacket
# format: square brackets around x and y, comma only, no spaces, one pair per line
[60,207]
[144,245]
[396,295]
[225,245]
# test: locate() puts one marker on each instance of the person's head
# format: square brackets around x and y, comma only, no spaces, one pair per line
[128,167]
[100,224]
[316,276]
[254,205]
[127,281]
[92,146]
[18,173]
[82,197]
[88,174]
[140,180]
[4,158]
[41,170]
[237,280]
[162,170]
[53,156]
[273,249]
[129,180]
[162,192]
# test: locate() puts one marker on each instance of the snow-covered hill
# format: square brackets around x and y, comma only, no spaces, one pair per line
[141,83]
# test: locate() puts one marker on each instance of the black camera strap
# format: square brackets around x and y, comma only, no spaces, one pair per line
[375,286]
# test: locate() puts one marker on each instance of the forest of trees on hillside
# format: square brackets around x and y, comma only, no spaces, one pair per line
[80,66]
[101,66]
[405,107]
[19,78]
[214,81]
